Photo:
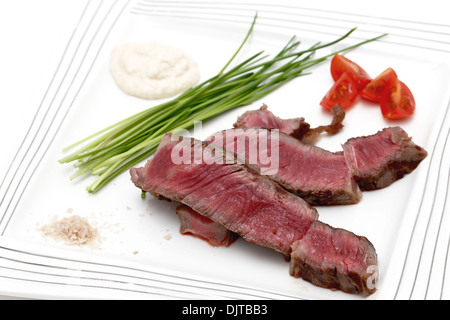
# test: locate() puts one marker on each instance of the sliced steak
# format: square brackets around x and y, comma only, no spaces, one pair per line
[296,127]
[379,160]
[318,176]
[263,118]
[254,206]
[335,259]
[235,196]
[193,223]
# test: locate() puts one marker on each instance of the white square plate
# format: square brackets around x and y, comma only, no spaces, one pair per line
[141,253]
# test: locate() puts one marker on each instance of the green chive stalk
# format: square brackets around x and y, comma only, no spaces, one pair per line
[115,149]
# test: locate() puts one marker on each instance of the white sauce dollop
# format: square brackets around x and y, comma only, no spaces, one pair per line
[152,70]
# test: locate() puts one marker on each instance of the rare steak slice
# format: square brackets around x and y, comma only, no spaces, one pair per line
[335,259]
[228,192]
[201,227]
[379,160]
[263,118]
[318,176]
[296,127]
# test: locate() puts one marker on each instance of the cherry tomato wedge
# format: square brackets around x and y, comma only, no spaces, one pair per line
[397,102]
[341,65]
[374,90]
[343,93]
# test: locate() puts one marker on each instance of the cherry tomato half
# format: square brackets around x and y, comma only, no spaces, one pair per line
[374,90]
[343,93]
[341,65]
[397,102]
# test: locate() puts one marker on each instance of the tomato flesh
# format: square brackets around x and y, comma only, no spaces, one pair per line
[341,65]
[375,89]
[397,102]
[343,93]
[394,97]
